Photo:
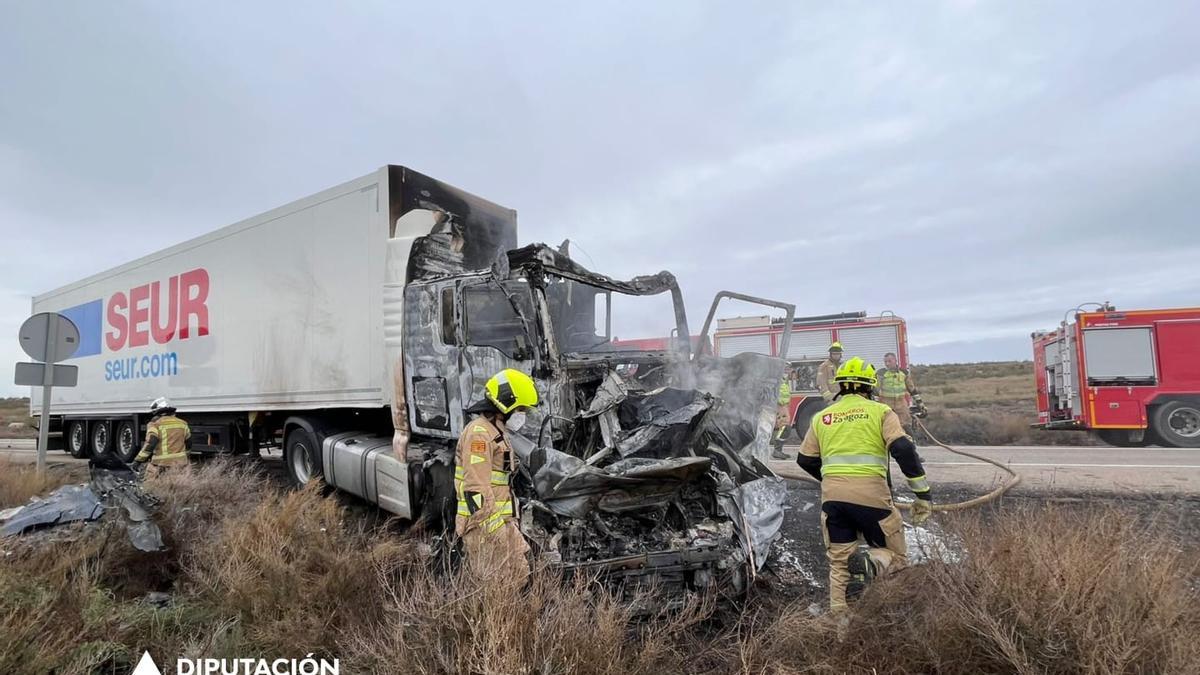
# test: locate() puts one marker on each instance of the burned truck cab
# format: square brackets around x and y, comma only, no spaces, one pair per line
[642,463]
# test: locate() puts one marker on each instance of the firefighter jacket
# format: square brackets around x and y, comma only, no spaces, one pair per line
[481,478]
[852,437]
[785,392]
[167,441]
[895,384]
[825,384]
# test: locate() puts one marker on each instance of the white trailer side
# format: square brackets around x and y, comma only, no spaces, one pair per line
[279,311]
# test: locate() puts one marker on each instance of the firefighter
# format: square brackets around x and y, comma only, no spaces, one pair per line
[895,387]
[846,449]
[827,371]
[783,417]
[168,438]
[486,518]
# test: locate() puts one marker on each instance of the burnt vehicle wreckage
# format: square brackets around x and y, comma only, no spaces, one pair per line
[641,466]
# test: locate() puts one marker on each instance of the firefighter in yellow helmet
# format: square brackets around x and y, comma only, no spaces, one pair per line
[486,519]
[897,389]
[827,371]
[168,438]
[846,449]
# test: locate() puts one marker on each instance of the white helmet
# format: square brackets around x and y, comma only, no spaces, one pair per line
[161,406]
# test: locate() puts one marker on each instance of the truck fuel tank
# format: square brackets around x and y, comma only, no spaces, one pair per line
[363,465]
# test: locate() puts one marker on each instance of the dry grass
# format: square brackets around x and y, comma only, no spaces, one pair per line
[256,571]
[1044,590]
[19,482]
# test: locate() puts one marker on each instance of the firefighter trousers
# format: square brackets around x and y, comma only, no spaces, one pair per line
[845,519]
[501,553]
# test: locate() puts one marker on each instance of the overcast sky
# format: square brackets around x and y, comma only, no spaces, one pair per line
[975,167]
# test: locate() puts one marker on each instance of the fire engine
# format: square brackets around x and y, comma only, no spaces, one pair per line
[1131,377]
[868,337]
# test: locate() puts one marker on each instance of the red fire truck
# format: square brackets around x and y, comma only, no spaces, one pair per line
[1133,377]
[869,337]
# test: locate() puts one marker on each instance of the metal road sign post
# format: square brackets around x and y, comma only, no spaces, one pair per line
[48,337]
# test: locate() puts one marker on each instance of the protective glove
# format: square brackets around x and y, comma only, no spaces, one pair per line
[139,468]
[922,508]
[917,409]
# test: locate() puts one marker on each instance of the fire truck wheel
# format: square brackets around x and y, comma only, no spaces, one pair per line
[804,415]
[1177,423]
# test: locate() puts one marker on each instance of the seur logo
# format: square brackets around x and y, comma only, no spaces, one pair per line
[146,666]
[158,313]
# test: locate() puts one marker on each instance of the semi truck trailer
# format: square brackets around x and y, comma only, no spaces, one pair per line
[352,329]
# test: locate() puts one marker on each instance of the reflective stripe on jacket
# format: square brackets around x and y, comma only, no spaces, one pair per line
[785,392]
[825,384]
[481,469]
[893,383]
[850,435]
[172,434]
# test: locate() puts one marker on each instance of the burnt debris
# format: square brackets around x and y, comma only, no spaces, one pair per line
[114,493]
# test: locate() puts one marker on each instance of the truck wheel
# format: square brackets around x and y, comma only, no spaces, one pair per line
[804,415]
[302,457]
[1177,423]
[101,438]
[1123,438]
[126,441]
[438,503]
[76,441]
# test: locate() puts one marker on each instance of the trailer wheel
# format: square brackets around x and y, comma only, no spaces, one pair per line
[1177,423]
[76,440]
[302,457]
[101,438]
[126,441]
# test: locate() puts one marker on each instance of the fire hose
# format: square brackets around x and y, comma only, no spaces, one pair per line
[1013,480]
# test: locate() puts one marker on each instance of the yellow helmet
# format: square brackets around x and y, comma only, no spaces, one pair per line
[835,347]
[856,371]
[511,389]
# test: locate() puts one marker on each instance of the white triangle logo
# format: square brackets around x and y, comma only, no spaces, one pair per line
[146,666]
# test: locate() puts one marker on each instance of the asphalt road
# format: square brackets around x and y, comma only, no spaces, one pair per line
[1140,471]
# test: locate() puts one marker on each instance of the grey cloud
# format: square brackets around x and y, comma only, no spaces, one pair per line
[975,167]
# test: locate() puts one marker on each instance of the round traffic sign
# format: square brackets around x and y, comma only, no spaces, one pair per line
[49,337]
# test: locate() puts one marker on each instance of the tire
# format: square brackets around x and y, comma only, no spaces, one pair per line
[1177,423]
[75,440]
[100,438]
[438,501]
[302,457]
[125,441]
[1122,438]
[804,416]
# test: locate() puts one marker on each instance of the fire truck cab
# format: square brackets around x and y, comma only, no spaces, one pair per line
[868,337]
[1131,377]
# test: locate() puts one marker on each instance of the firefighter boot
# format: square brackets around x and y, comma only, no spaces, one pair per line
[863,570]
